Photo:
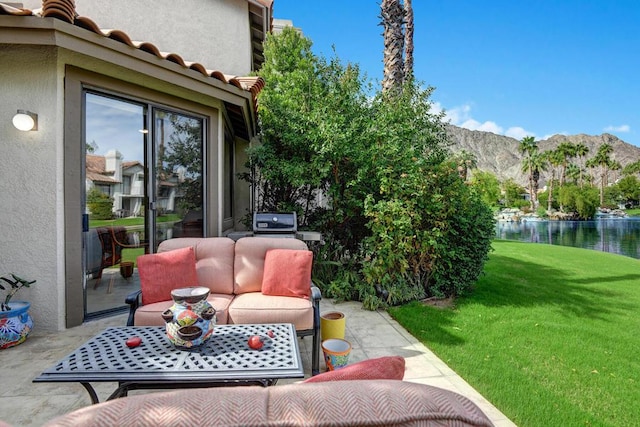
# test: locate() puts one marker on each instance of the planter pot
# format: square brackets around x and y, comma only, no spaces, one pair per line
[15,324]
[332,325]
[126,269]
[336,353]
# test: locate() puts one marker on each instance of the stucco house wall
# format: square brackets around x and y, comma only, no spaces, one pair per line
[212,32]
[31,184]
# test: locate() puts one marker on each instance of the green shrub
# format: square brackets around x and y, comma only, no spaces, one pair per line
[431,242]
[584,201]
[541,211]
[520,204]
[468,243]
[486,184]
[100,205]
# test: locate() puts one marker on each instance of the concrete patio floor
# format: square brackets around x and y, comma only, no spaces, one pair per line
[372,334]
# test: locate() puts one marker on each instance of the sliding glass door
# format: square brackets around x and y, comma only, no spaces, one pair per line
[178,184]
[143,184]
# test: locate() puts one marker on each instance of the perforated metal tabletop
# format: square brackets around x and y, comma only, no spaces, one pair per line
[224,359]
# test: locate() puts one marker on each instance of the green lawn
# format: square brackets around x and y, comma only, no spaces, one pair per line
[551,335]
[131,254]
[131,221]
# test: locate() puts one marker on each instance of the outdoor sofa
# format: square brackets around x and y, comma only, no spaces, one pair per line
[254,280]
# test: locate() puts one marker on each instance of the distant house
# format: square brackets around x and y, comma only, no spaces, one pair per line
[168,95]
[123,181]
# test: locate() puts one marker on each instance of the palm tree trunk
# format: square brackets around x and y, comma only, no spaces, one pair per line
[581,168]
[602,186]
[392,19]
[536,179]
[531,198]
[550,199]
[408,39]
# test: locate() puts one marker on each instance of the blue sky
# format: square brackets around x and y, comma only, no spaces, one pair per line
[511,67]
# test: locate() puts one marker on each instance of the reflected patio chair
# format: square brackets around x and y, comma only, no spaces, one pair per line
[114,240]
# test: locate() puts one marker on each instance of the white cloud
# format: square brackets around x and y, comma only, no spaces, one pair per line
[622,128]
[458,114]
[517,132]
[461,116]
[487,126]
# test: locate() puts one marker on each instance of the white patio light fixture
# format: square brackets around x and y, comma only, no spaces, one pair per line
[25,120]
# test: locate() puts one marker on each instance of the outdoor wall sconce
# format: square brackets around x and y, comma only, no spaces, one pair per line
[25,120]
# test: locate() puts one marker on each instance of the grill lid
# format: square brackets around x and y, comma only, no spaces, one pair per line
[274,223]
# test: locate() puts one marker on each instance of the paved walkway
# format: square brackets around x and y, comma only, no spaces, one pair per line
[372,334]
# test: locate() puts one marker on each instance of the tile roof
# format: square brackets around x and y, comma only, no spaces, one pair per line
[96,166]
[65,10]
[96,169]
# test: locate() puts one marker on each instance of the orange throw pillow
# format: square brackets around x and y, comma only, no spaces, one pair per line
[165,271]
[287,272]
[381,368]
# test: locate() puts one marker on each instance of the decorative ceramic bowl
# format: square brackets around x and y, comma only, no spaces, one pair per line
[190,320]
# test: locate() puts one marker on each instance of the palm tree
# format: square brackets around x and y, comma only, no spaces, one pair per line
[392,16]
[397,21]
[408,40]
[567,150]
[538,164]
[555,158]
[603,159]
[574,172]
[581,151]
[614,166]
[632,168]
[528,147]
[465,161]
[591,164]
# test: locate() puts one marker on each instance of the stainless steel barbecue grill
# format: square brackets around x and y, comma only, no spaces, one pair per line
[272,224]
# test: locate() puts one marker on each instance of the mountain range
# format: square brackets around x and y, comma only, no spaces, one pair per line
[501,154]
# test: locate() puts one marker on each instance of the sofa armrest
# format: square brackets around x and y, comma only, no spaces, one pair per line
[316,294]
[134,301]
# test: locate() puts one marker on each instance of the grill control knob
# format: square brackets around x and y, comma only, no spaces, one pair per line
[275,219]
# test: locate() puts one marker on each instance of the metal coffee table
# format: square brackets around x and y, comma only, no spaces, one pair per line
[224,359]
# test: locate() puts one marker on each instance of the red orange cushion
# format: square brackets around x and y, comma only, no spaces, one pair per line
[162,272]
[381,368]
[287,272]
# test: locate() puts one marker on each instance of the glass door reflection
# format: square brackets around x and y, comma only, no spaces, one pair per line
[178,199]
[143,184]
[115,138]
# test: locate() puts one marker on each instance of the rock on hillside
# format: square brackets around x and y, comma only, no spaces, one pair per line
[501,154]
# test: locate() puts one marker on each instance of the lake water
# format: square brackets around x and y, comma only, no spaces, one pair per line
[620,236]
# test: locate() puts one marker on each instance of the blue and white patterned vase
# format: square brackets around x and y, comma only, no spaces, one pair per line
[15,324]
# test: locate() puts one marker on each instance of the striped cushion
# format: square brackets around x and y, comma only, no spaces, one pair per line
[341,403]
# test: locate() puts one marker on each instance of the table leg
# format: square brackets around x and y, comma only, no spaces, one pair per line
[121,391]
[92,393]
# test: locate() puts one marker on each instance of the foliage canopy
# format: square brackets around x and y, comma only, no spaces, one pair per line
[370,173]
